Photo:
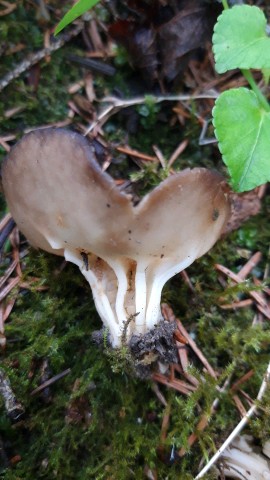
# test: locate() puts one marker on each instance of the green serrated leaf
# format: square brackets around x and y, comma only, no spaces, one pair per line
[242,128]
[240,39]
[76,11]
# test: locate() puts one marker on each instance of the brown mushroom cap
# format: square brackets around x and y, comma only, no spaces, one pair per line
[64,203]
[59,197]
[58,194]
[189,208]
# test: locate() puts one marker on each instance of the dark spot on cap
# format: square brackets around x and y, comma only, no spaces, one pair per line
[108,205]
[129,232]
[215,214]
[162,255]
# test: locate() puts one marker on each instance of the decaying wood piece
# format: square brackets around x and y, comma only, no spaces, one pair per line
[243,206]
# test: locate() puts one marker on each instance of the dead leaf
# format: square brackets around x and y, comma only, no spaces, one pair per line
[162,37]
[187,31]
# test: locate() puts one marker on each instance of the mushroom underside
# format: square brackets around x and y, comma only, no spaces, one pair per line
[64,203]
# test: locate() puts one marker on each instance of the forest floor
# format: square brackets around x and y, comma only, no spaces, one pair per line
[71,409]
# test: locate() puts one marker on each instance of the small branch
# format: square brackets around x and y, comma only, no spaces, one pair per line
[239,427]
[6,231]
[235,305]
[248,267]
[168,314]
[36,57]
[93,65]
[257,296]
[8,272]
[50,381]
[175,384]
[239,405]
[134,153]
[196,350]
[204,420]
[5,291]
[165,423]
[159,395]
[241,380]
[117,104]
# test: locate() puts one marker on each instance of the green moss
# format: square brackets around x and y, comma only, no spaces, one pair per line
[116,431]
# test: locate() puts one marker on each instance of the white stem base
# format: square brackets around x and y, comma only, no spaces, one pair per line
[126,293]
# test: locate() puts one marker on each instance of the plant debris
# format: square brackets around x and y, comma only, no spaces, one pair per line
[161,38]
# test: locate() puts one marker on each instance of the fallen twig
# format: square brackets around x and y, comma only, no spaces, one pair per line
[234,305]
[239,427]
[174,383]
[8,272]
[177,152]
[6,231]
[117,104]
[50,381]
[169,315]
[239,405]
[187,280]
[241,380]
[203,422]
[257,296]
[196,350]
[248,267]
[165,423]
[5,291]
[36,57]
[159,395]
[93,65]
[8,8]
[136,154]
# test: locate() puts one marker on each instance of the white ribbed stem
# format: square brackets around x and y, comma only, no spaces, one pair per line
[160,276]
[140,297]
[100,298]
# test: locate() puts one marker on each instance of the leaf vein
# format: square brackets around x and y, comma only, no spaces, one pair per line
[241,50]
[250,158]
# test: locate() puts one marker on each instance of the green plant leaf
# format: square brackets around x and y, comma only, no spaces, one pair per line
[242,128]
[76,11]
[266,75]
[240,39]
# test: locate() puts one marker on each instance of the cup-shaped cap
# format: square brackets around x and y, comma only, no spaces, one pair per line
[60,198]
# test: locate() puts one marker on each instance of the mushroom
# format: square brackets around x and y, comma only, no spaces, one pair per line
[65,204]
[242,459]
